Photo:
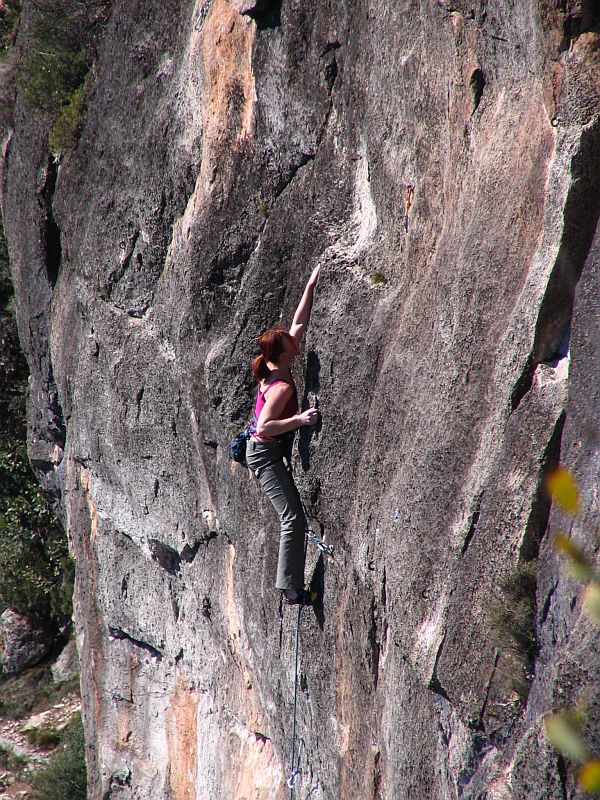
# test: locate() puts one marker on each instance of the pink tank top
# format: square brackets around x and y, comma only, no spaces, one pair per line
[291,408]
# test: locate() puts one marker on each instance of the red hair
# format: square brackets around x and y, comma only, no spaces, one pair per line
[272,345]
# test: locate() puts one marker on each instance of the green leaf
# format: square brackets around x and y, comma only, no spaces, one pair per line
[563,735]
[591,601]
[579,566]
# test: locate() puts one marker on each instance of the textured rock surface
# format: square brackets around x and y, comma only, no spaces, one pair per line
[23,641]
[66,666]
[227,149]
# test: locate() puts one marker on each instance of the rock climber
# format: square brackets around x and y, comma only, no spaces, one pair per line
[269,451]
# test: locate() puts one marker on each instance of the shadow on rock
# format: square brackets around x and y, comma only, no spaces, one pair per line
[310,399]
[266,13]
[317,585]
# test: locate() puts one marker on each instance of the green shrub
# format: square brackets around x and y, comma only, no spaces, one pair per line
[13,368]
[5,284]
[36,569]
[66,128]
[11,761]
[377,278]
[66,769]
[44,737]
[9,23]
[59,56]
[37,573]
[64,42]
[49,78]
[511,619]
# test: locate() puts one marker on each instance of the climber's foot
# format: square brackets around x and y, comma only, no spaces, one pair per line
[297,597]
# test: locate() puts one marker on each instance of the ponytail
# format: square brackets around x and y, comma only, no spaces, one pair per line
[260,369]
[271,344]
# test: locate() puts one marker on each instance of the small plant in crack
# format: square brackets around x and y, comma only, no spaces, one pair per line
[511,620]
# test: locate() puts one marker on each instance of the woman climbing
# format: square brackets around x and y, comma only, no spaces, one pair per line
[269,451]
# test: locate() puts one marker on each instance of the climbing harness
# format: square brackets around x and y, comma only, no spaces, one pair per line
[410,193]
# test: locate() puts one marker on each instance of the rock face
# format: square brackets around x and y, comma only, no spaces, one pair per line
[66,666]
[227,148]
[23,641]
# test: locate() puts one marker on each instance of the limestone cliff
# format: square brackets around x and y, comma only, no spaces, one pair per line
[227,148]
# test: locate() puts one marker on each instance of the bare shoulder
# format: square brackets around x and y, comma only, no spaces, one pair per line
[277,389]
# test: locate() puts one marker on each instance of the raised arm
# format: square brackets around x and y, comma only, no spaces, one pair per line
[302,315]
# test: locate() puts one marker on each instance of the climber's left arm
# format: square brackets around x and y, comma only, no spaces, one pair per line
[302,315]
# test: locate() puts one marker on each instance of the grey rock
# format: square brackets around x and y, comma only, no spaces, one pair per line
[66,666]
[222,157]
[23,641]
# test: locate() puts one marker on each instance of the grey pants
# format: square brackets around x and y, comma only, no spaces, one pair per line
[270,462]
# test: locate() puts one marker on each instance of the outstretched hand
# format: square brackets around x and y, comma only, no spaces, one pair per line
[314,276]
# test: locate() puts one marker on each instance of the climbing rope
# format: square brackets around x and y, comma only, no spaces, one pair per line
[291,780]
[295,761]
[309,536]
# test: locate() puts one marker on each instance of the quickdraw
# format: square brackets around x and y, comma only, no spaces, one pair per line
[319,543]
[410,193]
[202,14]
[313,538]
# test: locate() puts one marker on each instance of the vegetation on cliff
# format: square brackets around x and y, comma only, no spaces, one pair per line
[66,38]
[10,16]
[512,626]
[37,574]
[66,769]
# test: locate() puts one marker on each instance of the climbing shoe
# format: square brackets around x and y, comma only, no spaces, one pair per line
[297,597]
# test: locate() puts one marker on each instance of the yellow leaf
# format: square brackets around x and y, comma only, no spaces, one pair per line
[588,776]
[580,567]
[563,490]
[591,600]
[565,738]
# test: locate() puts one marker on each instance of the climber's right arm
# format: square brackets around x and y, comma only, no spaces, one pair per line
[302,315]
[269,423]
